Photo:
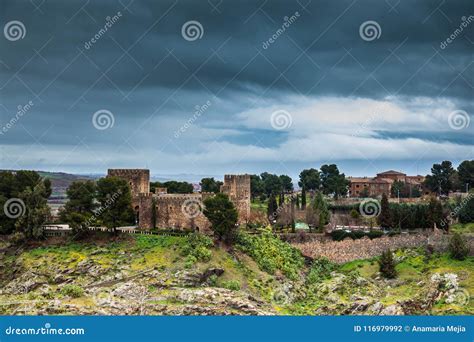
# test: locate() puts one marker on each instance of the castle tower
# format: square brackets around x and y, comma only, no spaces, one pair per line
[139,182]
[237,187]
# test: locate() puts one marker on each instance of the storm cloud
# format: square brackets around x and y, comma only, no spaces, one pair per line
[388,97]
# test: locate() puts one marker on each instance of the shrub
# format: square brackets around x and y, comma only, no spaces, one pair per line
[197,245]
[272,254]
[373,234]
[233,285]
[321,269]
[387,265]
[458,248]
[73,291]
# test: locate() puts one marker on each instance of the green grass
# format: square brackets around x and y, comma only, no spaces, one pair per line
[462,228]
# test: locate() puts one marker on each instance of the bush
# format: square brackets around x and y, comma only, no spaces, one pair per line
[321,269]
[272,254]
[458,248]
[387,265]
[73,291]
[197,245]
[373,234]
[233,285]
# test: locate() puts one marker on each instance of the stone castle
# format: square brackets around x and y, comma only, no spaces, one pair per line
[179,211]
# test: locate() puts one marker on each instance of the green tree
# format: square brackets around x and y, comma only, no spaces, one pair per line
[458,247]
[256,186]
[320,211]
[385,218]
[173,187]
[440,180]
[333,182]
[79,209]
[272,208]
[466,214]
[223,216]
[387,265]
[13,186]
[286,183]
[435,213]
[310,179]
[210,185]
[36,211]
[466,174]
[303,198]
[115,203]
[271,183]
[364,193]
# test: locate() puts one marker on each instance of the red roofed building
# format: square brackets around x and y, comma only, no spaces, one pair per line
[380,184]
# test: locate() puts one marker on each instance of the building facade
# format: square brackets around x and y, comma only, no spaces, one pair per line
[179,211]
[381,183]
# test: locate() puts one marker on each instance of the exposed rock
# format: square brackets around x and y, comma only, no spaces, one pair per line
[392,310]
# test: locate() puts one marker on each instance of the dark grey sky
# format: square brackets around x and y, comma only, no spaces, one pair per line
[213,105]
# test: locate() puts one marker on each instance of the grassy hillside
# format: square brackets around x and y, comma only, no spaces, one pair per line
[167,275]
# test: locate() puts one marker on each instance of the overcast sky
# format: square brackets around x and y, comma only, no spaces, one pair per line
[214,87]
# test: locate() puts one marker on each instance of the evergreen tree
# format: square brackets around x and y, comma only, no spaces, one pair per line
[281,199]
[298,201]
[387,265]
[115,200]
[78,211]
[223,216]
[303,198]
[385,217]
[272,207]
[36,211]
[458,248]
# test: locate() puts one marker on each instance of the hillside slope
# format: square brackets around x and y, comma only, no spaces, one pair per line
[166,275]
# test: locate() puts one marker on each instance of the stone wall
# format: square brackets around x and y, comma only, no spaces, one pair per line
[348,250]
[181,211]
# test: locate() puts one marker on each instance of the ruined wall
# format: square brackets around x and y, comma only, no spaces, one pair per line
[348,249]
[237,187]
[181,211]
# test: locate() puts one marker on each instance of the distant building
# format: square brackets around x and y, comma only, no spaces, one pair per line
[381,184]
